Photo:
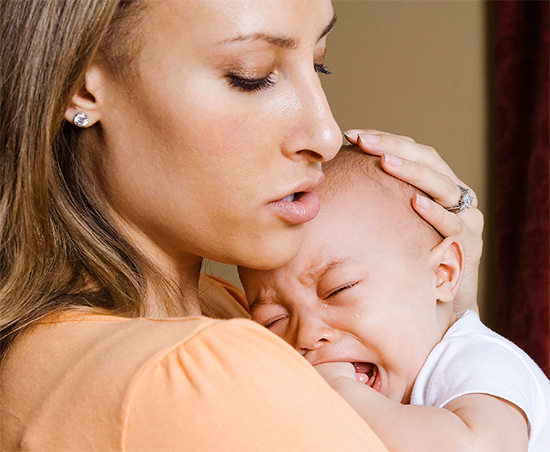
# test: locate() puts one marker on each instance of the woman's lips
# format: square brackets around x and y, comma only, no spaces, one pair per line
[297,208]
[369,374]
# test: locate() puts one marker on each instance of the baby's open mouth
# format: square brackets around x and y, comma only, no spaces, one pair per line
[368,374]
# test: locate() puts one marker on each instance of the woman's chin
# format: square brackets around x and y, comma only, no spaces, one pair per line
[269,254]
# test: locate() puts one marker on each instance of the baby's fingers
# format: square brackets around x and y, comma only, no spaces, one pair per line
[331,371]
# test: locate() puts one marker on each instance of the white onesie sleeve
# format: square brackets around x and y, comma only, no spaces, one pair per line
[472,359]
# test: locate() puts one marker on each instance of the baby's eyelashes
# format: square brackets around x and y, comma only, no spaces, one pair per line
[339,290]
[270,315]
[271,323]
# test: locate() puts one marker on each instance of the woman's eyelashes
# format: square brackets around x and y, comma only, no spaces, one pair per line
[321,69]
[251,84]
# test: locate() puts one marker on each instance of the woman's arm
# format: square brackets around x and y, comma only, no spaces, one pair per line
[422,167]
[475,422]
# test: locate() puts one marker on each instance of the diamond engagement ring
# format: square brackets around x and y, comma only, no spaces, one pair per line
[464,202]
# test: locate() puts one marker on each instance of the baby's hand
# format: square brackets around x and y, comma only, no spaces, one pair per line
[334,371]
[342,378]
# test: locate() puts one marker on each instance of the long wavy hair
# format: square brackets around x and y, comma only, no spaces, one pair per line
[57,248]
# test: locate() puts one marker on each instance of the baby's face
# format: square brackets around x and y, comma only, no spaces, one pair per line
[356,292]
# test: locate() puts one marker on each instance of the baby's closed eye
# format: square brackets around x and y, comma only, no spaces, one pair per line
[270,315]
[272,322]
[333,292]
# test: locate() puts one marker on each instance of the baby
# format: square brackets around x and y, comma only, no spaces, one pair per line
[369,302]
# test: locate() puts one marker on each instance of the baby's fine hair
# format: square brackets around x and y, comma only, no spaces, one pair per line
[353,168]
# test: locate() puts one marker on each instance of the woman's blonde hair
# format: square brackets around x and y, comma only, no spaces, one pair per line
[57,249]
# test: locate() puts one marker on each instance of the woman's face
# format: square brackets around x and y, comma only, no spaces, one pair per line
[226,118]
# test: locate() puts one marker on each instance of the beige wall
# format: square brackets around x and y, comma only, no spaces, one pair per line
[418,68]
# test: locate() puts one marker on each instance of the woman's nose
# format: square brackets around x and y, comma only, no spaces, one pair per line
[312,132]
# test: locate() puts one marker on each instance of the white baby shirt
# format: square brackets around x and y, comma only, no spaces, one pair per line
[472,359]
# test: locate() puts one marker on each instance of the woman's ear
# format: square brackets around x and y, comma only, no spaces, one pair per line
[448,263]
[86,102]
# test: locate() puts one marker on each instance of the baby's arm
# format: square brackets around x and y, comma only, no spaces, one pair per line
[475,422]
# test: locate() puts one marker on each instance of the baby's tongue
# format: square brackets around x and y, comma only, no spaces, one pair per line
[363,371]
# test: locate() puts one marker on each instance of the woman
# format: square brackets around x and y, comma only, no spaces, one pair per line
[137,138]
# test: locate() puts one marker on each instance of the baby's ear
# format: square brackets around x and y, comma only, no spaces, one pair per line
[447,262]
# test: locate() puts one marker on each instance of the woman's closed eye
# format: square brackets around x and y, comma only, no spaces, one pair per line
[251,84]
[322,69]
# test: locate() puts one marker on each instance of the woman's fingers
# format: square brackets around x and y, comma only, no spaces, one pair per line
[391,144]
[351,135]
[467,225]
[424,168]
[440,186]
[414,163]
[381,143]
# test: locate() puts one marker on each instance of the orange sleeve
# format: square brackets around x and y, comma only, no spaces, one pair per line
[235,386]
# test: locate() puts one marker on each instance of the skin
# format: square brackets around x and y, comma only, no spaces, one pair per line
[358,291]
[422,167]
[189,120]
[187,162]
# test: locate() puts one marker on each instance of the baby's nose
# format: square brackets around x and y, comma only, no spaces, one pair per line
[313,335]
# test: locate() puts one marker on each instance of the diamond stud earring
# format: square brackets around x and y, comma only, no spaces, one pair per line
[80,119]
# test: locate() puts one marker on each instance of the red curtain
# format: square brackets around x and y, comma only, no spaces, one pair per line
[523,173]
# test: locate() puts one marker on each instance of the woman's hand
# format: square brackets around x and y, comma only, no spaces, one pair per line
[422,167]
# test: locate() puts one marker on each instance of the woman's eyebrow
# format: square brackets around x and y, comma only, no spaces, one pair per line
[279,41]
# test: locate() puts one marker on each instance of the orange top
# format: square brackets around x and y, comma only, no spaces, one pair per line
[90,382]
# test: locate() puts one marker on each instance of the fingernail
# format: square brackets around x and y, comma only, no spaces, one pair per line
[392,160]
[422,201]
[349,137]
[353,133]
[368,138]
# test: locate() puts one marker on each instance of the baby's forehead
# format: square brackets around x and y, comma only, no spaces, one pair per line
[278,285]
[364,180]
[370,199]
[351,231]
[353,176]
[352,166]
